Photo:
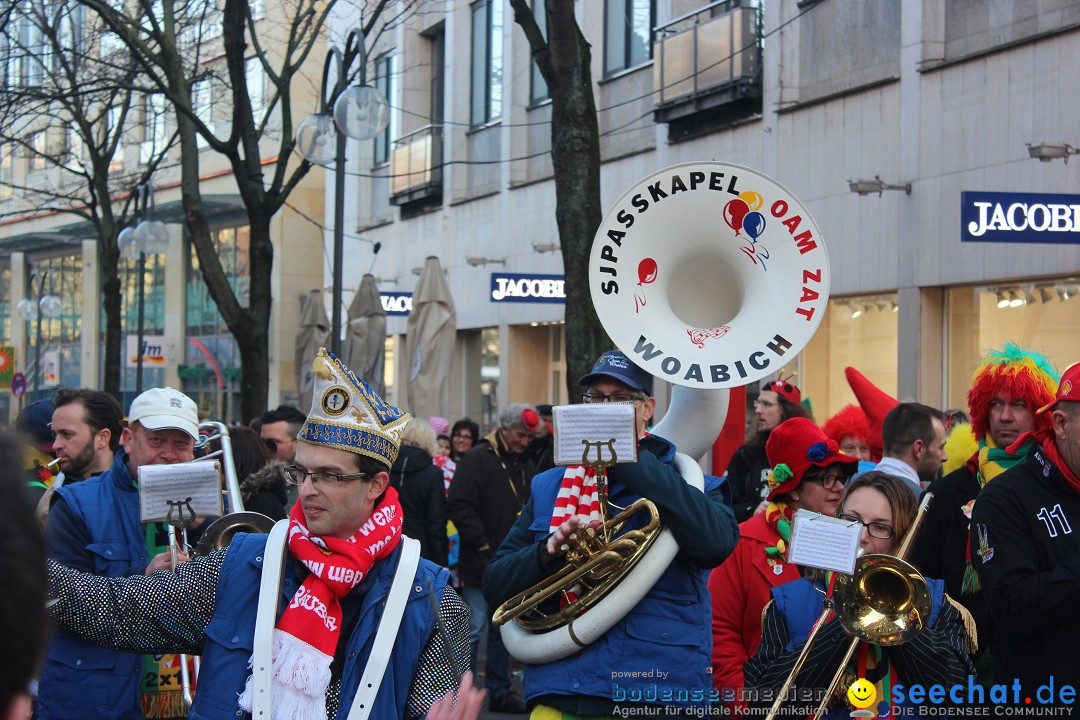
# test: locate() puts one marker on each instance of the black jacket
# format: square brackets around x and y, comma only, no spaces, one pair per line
[1029,565]
[748,478]
[490,487]
[423,501]
[940,548]
[264,491]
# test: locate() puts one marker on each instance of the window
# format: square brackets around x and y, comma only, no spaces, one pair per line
[385,72]
[627,33]
[202,102]
[487,61]
[155,132]
[35,51]
[202,316]
[538,89]
[115,133]
[6,174]
[256,85]
[37,148]
[75,150]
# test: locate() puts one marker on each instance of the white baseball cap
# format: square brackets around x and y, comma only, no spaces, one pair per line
[165,408]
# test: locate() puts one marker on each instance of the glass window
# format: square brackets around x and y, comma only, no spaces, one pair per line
[232,246]
[6,175]
[489,376]
[5,304]
[627,33]
[63,333]
[38,150]
[156,133]
[256,84]
[857,331]
[487,61]
[75,154]
[538,89]
[202,102]
[1038,316]
[113,130]
[385,80]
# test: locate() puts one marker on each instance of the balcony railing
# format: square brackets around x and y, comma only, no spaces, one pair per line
[707,58]
[416,166]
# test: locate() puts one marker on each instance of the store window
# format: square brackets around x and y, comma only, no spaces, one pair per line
[61,334]
[5,305]
[153,324]
[1040,315]
[860,332]
[489,378]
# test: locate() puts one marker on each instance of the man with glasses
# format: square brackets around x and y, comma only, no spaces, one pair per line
[669,629]
[278,429]
[490,486]
[327,647]
[95,526]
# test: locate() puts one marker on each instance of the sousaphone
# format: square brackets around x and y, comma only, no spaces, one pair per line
[709,276]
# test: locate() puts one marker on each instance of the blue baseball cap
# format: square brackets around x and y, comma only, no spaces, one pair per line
[615,365]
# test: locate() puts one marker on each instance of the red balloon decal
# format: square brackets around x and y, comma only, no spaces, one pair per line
[734,212]
[646,271]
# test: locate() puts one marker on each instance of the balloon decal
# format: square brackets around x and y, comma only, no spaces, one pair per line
[646,272]
[734,212]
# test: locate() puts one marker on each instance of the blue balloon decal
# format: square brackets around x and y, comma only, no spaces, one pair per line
[754,224]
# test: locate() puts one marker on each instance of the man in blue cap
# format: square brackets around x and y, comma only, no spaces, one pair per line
[669,629]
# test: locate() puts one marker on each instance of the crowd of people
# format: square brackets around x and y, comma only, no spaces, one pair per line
[398,536]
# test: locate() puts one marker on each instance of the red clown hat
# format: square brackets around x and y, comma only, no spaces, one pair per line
[876,403]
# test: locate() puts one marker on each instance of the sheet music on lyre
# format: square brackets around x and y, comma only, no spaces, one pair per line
[824,542]
[193,488]
[606,427]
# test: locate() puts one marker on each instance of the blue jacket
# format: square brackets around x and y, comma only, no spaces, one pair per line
[668,631]
[230,634]
[80,680]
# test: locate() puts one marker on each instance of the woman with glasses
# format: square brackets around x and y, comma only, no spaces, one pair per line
[463,436]
[808,472]
[885,508]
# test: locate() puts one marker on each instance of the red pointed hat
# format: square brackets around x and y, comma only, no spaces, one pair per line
[796,445]
[876,403]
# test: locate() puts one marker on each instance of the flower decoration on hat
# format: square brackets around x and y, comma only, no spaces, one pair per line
[348,415]
[779,475]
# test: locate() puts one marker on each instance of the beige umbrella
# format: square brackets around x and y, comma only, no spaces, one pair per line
[429,343]
[312,334]
[365,335]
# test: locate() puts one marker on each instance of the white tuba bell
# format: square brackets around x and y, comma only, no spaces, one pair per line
[710,276]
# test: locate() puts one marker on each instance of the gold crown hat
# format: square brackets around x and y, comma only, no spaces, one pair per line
[348,415]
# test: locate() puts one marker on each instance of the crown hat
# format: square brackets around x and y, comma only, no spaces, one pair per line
[347,414]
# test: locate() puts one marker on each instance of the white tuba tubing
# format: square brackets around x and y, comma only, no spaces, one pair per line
[539,648]
[694,419]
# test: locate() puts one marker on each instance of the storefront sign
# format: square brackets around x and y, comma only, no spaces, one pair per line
[1019,217]
[396,303]
[515,287]
[153,354]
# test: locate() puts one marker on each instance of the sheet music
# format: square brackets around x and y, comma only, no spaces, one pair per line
[824,542]
[160,484]
[611,425]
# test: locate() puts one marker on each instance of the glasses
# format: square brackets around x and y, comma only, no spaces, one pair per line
[295,476]
[831,480]
[595,397]
[881,531]
[764,404]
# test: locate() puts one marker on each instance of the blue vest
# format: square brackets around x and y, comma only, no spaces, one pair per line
[668,631]
[230,634]
[80,680]
[801,604]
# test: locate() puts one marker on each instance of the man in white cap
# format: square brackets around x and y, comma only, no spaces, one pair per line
[95,526]
[351,616]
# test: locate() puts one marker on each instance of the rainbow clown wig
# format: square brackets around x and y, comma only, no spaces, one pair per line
[1017,373]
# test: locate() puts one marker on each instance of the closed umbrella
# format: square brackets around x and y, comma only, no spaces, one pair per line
[429,343]
[312,334]
[365,335]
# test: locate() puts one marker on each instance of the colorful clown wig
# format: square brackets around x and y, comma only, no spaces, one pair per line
[1017,373]
[849,422]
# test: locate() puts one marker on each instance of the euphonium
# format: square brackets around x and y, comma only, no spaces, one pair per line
[710,276]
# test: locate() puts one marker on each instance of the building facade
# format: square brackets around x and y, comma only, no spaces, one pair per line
[884,118]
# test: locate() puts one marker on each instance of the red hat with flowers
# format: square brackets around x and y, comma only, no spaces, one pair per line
[796,445]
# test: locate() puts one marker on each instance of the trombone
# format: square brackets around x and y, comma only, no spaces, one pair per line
[885,601]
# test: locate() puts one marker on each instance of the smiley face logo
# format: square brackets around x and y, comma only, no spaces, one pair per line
[862,694]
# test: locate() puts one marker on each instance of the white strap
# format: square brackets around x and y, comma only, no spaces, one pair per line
[273,572]
[388,629]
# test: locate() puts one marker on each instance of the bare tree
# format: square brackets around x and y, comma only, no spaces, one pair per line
[67,103]
[167,38]
[564,59]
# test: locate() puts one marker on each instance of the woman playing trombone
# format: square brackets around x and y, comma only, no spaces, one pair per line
[938,655]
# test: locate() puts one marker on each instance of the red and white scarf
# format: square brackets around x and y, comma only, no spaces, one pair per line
[307,633]
[577,496]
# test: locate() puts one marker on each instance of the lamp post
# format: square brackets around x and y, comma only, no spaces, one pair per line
[135,243]
[45,305]
[360,112]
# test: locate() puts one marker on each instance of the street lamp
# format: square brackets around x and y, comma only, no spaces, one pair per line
[148,237]
[360,112]
[46,305]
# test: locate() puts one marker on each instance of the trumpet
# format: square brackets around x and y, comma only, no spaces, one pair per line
[885,601]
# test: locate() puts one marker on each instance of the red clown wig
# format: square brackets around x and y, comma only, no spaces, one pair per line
[1015,373]
[849,422]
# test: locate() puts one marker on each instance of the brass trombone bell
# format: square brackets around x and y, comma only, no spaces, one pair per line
[220,533]
[886,601]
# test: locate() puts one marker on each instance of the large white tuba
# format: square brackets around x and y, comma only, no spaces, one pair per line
[710,276]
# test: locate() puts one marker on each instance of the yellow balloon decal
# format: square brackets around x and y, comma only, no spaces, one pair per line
[752,199]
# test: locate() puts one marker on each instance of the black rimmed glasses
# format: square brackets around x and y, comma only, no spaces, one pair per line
[295,476]
[878,530]
[595,397]
[830,480]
